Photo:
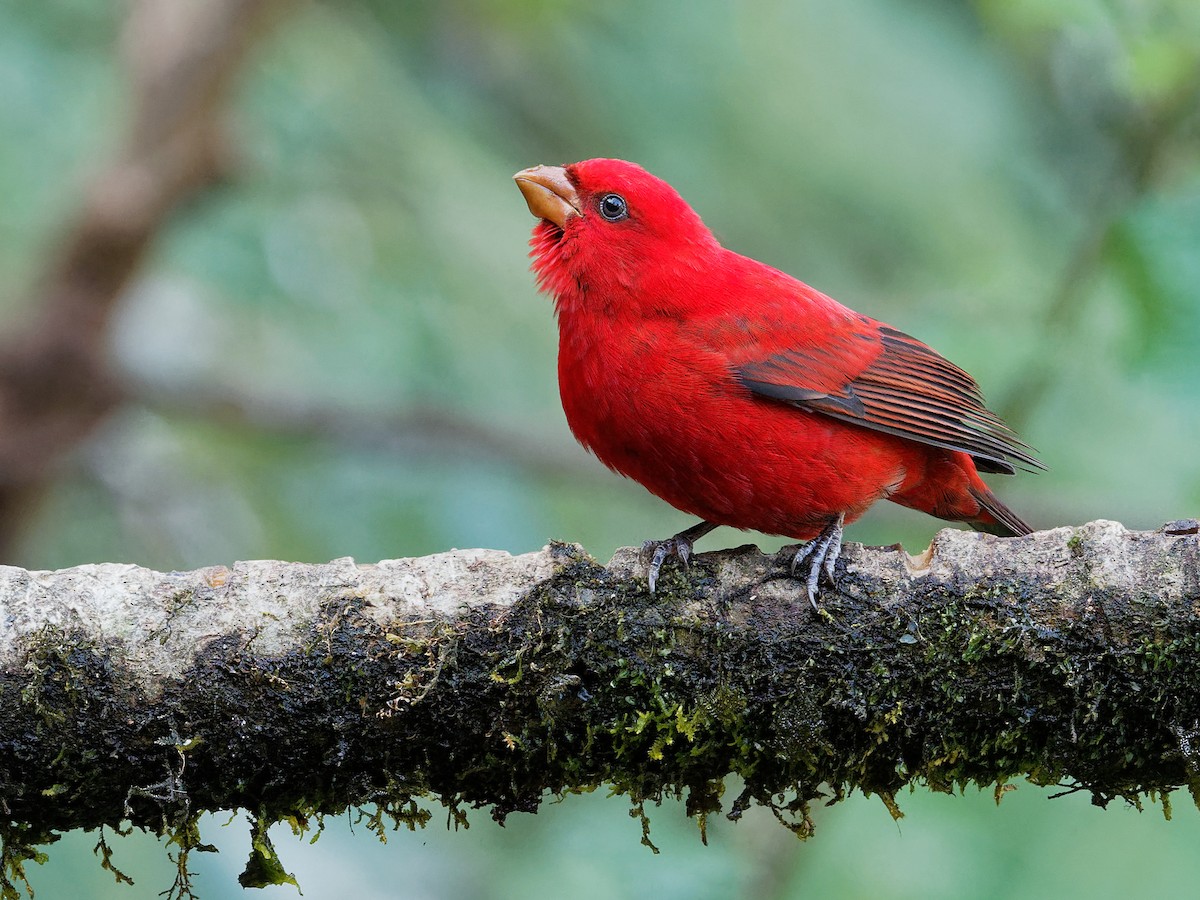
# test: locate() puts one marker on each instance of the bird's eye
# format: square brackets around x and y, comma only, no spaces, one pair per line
[613,207]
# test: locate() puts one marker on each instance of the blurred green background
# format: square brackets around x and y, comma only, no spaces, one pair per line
[1016,182]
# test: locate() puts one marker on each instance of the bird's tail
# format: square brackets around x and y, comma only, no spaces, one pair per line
[996,518]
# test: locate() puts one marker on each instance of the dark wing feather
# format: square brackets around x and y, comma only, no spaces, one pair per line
[907,389]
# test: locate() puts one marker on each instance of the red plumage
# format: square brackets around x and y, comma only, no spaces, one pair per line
[738,393]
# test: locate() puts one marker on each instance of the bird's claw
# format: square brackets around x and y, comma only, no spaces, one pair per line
[679,546]
[821,554]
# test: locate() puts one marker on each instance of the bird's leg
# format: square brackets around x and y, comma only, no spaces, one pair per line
[821,554]
[679,546]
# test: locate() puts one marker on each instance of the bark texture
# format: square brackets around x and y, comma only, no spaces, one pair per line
[478,679]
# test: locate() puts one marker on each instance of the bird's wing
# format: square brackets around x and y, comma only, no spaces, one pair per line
[881,378]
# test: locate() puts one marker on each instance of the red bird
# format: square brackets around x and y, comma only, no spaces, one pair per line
[737,393]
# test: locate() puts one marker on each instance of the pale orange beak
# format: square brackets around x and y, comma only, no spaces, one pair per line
[549,194]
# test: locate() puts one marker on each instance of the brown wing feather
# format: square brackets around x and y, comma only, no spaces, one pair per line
[908,389]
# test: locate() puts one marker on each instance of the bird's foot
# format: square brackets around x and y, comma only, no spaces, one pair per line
[679,546]
[821,555]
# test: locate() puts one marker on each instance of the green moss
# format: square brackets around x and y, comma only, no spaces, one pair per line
[264,866]
[19,844]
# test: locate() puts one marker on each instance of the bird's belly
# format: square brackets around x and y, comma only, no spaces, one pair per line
[713,450]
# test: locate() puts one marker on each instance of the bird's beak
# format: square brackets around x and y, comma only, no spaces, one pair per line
[549,194]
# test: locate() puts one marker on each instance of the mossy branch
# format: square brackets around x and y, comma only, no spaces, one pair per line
[477,679]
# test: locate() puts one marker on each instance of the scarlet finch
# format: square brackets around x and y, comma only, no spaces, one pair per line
[739,394]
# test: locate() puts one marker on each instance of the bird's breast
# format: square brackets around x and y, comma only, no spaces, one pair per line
[625,388]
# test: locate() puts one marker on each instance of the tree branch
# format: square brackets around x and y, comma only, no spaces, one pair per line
[474,678]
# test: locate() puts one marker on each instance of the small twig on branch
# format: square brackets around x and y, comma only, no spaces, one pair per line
[474,678]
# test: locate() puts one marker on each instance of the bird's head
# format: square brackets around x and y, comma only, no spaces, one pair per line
[610,230]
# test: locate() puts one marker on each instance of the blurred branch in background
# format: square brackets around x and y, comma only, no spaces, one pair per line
[419,429]
[56,383]
[1142,149]
[1131,79]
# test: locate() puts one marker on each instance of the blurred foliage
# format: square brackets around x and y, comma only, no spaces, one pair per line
[1017,183]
